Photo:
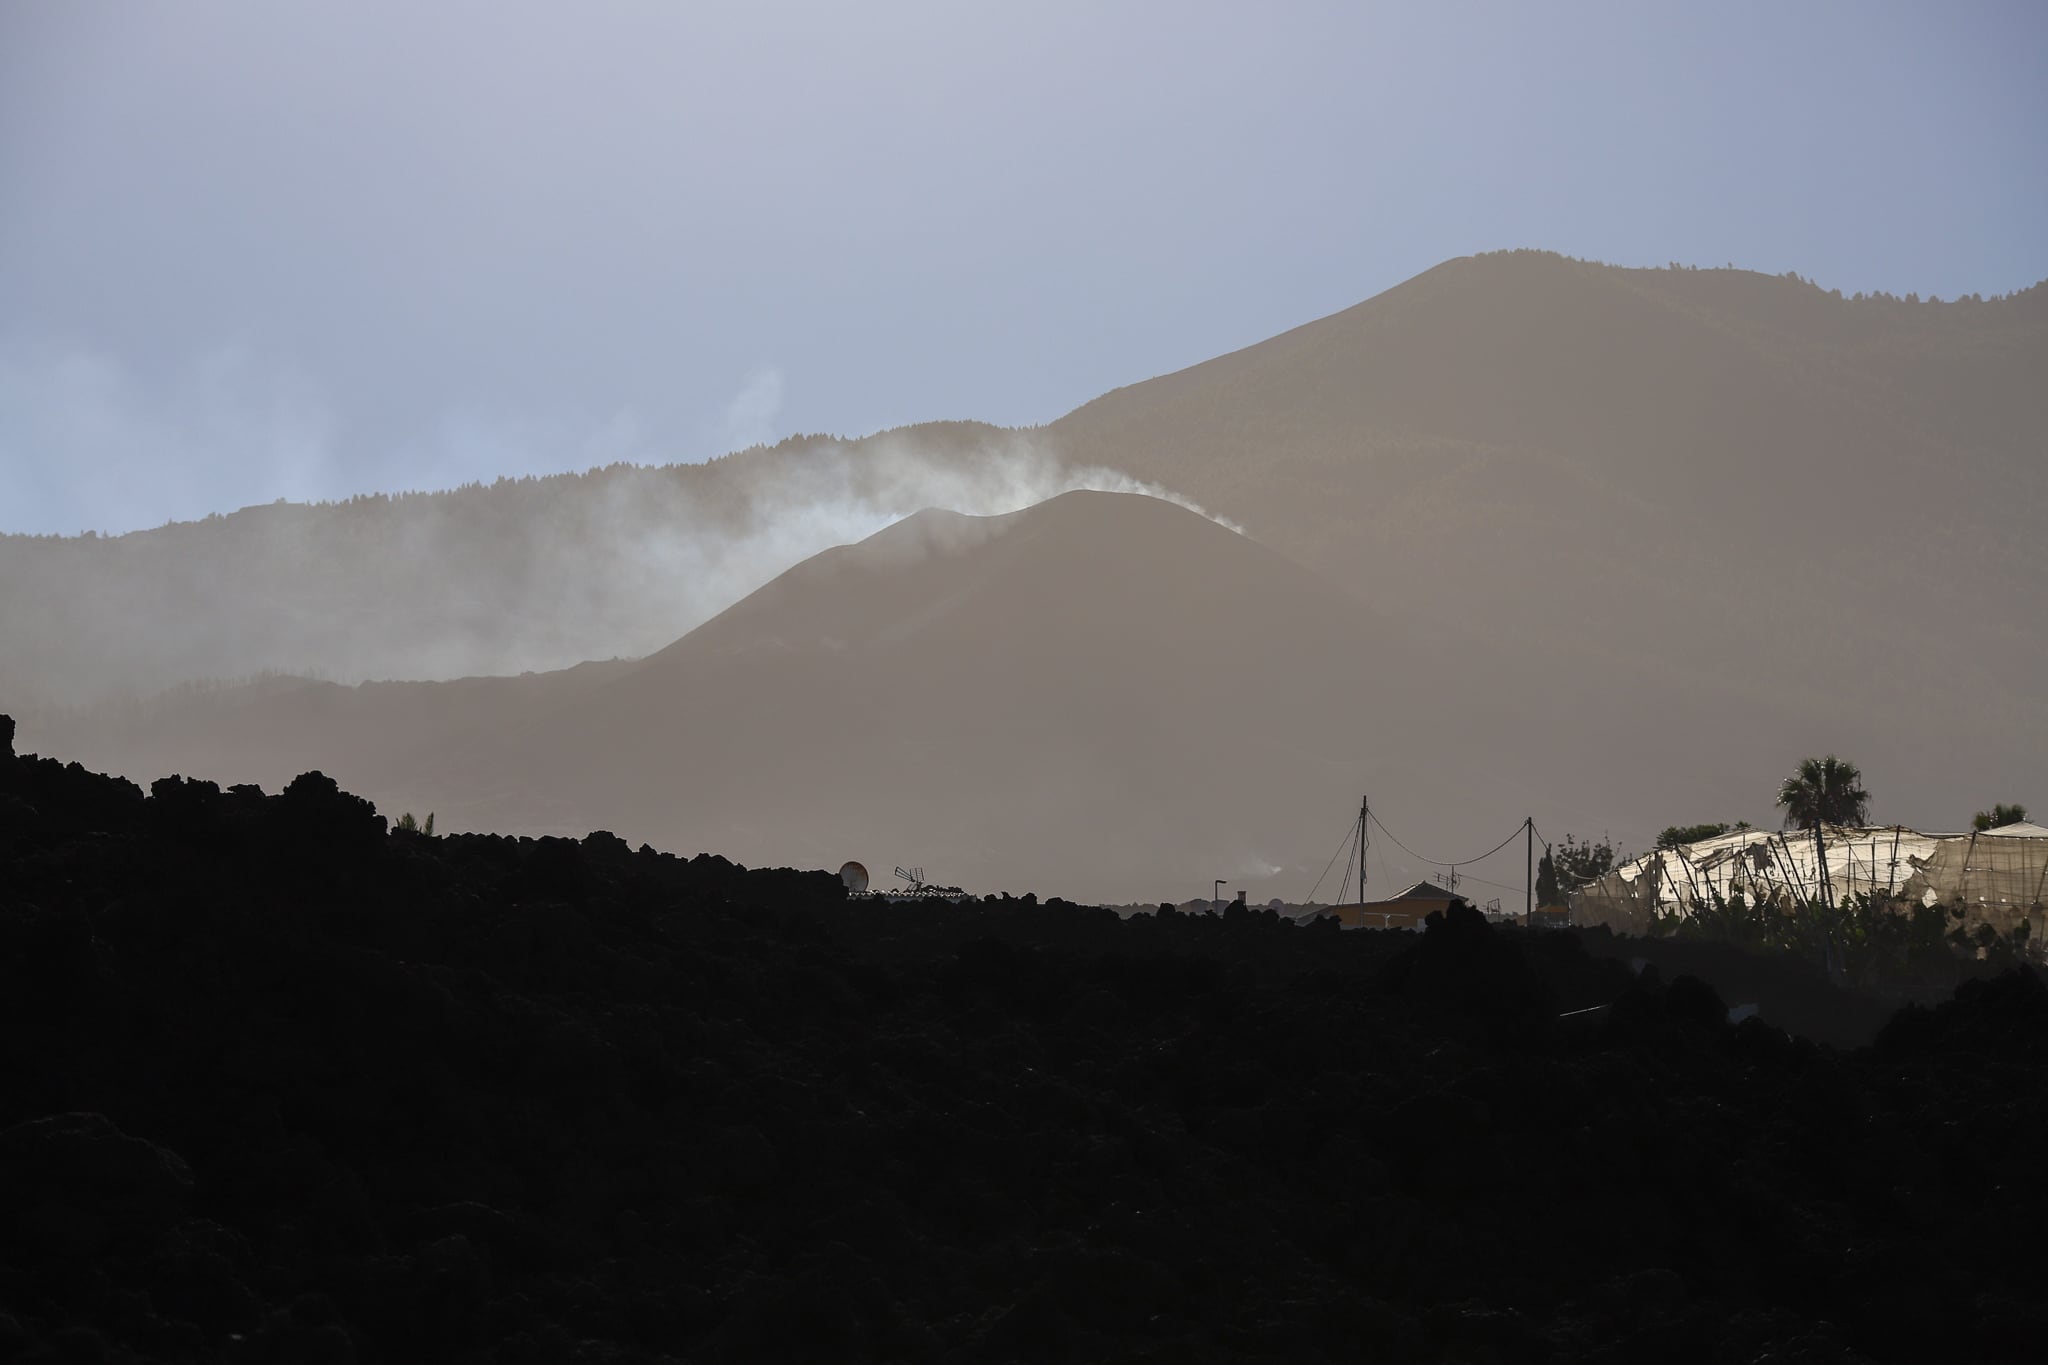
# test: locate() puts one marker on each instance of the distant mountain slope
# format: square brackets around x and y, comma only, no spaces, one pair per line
[271,729]
[1599,443]
[1574,448]
[1082,697]
[1669,530]
[491,578]
[1105,695]
[1651,477]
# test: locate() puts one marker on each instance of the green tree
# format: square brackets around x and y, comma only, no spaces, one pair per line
[1569,866]
[1824,791]
[409,825]
[1677,836]
[2001,815]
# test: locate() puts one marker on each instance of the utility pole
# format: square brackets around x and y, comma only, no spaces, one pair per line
[1364,813]
[1820,855]
[1529,867]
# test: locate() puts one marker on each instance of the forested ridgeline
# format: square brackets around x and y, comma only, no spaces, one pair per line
[283,1084]
[530,573]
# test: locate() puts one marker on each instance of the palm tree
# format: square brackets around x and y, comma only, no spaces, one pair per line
[1825,791]
[2001,815]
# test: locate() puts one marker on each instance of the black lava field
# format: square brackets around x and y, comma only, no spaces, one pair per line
[279,1085]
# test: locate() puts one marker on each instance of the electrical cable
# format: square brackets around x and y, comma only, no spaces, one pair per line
[1434,862]
[1350,831]
[1498,886]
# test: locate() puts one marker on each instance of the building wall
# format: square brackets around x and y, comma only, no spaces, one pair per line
[1408,913]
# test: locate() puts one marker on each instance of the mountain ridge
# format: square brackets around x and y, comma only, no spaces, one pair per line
[1011,695]
[1744,519]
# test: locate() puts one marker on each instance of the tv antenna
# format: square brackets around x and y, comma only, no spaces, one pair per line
[913,875]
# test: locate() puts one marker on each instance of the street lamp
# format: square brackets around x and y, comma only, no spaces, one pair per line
[1216,901]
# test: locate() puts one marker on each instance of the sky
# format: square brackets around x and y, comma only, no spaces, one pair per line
[252,251]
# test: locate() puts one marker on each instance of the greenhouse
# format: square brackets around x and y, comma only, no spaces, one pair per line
[1997,877]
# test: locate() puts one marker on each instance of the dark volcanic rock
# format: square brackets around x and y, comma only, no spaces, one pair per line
[2004,1018]
[85,1161]
[284,1086]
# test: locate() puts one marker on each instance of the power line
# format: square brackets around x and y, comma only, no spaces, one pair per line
[1499,886]
[1433,862]
[1350,831]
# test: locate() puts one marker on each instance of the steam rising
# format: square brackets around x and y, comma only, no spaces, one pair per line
[750,417]
[685,563]
[519,575]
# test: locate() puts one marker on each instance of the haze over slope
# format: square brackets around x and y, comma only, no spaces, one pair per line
[500,578]
[1103,696]
[1684,526]
[1783,502]
[1572,448]
[1699,470]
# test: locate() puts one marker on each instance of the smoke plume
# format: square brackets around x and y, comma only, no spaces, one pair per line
[517,575]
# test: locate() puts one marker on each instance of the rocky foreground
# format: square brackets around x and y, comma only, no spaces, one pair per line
[279,1085]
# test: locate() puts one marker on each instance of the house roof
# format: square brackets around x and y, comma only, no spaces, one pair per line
[1427,891]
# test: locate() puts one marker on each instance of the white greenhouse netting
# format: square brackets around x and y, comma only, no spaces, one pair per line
[1998,877]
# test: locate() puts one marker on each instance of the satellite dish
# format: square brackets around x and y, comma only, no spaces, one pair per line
[855,877]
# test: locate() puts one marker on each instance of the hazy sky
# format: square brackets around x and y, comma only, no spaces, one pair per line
[272,249]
